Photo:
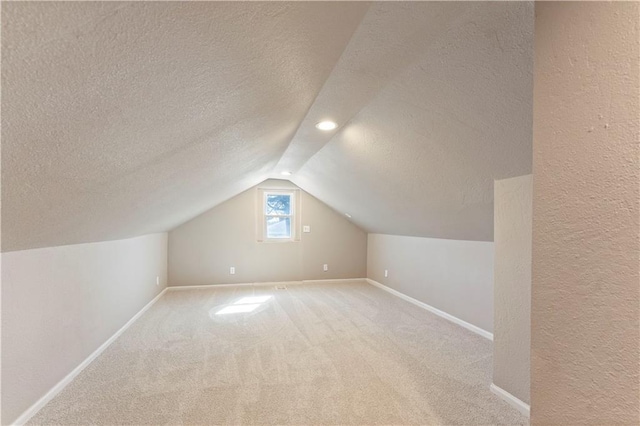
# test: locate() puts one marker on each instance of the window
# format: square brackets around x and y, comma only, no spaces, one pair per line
[278,221]
[278,215]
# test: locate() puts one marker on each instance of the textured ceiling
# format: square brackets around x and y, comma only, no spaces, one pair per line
[120,119]
[438,108]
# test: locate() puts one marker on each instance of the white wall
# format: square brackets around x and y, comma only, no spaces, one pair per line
[451,275]
[59,304]
[202,250]
[512,285]
[585,295]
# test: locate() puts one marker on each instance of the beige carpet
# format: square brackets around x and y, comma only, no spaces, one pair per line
[344,353]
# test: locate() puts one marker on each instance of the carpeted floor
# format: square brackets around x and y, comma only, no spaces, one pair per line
[343,353]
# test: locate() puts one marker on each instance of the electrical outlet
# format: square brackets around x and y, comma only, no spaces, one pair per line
[157,280]
[306,228]
[325,267]
[386,273]
[232,270]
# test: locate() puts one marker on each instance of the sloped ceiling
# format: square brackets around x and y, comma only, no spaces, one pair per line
[434,111]
[121,119]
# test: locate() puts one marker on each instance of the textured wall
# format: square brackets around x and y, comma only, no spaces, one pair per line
[453,276]
[202,250]
[59,304]
[512,285]
[586,163]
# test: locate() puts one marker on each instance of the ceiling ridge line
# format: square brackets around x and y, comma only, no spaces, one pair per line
[471,10]
[315,98]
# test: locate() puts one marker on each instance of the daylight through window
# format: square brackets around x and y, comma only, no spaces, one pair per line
[278,215]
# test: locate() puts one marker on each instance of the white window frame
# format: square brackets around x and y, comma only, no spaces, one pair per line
[294,215]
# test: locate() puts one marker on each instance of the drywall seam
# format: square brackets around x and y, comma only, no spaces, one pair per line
[263,284]
[455,320]
[44,400]
[519,405]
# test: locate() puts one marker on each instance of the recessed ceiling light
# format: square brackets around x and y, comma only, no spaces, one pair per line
[326,125]
[285,173]
[348,215]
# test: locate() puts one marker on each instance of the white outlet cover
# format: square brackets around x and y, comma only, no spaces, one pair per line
[386,273]
[232,270]
[325,267]
[306,228]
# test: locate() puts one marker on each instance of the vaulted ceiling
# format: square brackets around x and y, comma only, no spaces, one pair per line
[121,119]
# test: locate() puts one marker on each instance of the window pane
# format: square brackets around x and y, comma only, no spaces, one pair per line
[278,204]
[278,227]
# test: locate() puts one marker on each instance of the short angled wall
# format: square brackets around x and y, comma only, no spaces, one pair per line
[451,276]
[62,305]
[58,387]
[438,312]
[512,285]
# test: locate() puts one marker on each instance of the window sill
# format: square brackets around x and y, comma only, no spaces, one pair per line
[279,241]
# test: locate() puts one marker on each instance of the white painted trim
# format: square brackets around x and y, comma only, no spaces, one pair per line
[336,280]
[271,283]
[211,286]
[516,403]
[482,332]
[31,411]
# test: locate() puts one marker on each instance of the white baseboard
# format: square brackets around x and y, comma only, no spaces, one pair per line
[210,286]
[519,405]
[336,280]
[31,411]
[455,320]
[266,284]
